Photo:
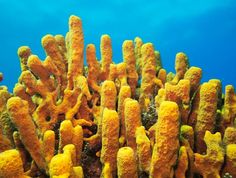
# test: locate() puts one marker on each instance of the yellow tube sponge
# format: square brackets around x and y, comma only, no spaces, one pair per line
[106,56]
[162,75]
[125,92]
[52,50]
[77,140]
[108,95]
[23,152]
[229,108]
[48,145]
[129,59]
[181,66]
[230,161]
[126,163]
[108,99]
[121,74]
[138,54]
[11,165]
[24,52]
[165,151]
[143,149]
[76,50]
[78,172]
[206,114]
[106,171]
[194,75]
[93,67]
[182,165]
[230,136]
[110,138]
[149,79]
[6,126]
[60,165]
[19,112]
[195,101]
[66,134]
[132,121]
[5,143]
[20,91]
[62,45]
[187,140]
[180,94]
[209,165]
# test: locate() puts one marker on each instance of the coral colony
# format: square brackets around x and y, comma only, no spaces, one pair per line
[125,120]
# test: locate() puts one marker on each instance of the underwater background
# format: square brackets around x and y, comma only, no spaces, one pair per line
[205,30]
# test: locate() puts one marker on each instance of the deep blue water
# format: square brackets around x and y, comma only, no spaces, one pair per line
[204,29]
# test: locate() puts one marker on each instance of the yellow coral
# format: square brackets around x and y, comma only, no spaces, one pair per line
[106,56]
[20,116]
[206,114]
[209,165]
[11,165]
[76,49]
[125,92]
[180,172]
[129,59]
[126,163]
[181,66]
[93,68]
[110,138]
[132,121]
[229,108]
[230,166]
[164,155]
[143,149]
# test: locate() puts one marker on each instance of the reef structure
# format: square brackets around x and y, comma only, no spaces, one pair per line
[131,119]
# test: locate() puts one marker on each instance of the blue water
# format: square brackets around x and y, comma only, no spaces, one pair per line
[204,29]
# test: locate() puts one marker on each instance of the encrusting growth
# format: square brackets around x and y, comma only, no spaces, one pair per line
[105,120]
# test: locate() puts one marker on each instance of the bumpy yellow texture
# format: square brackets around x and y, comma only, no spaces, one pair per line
[209,165]
[93,67]
[229,109]
[48,145]
[125,92]
[20,117]
[106,56]
[129,59]
[110,138]
[194,75]
[23,53]
[11,165]
[182,163]
[148,73]
[138,55]
[206,114]
[126,163]
[181,66]
[143,149]
[230,166]
[165,150]
[132,121]
[76,61]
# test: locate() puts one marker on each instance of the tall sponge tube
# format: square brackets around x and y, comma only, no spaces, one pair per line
[19,111]
[165,151]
